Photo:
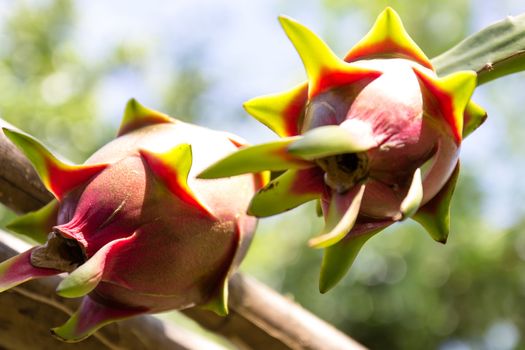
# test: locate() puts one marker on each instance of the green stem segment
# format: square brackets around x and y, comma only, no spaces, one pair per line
[493,52]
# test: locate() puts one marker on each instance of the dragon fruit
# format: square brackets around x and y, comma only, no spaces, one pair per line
[374,137]
[133,227]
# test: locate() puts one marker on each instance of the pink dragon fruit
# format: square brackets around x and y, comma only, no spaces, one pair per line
[133,227]
[374,137]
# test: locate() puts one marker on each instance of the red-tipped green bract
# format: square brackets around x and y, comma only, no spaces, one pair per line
[133,227]
[374,137]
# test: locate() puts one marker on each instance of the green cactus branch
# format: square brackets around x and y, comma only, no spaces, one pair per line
[493,52]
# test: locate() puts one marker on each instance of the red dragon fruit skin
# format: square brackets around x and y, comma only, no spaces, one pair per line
[137,232]
[374,137]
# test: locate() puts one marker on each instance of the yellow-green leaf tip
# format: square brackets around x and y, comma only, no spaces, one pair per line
[75,287]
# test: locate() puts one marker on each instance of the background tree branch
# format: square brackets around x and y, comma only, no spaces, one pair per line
[259,318]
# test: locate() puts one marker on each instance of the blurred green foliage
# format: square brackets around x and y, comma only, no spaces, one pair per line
[405,291]
[47,89]
[51,91]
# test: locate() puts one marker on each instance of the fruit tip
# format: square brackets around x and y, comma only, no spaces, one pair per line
[289,24]
[283,19]
[319,242]
[249,105]
[253,212]
[65,290]
[324,287]
[8,131]
[132,101]
[56,333]
[389,11]
[206,175]
[133,105]
[249,211]
[390,15]
[17,137]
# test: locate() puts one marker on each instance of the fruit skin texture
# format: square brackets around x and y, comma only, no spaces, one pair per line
[140,234]
[374,137]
